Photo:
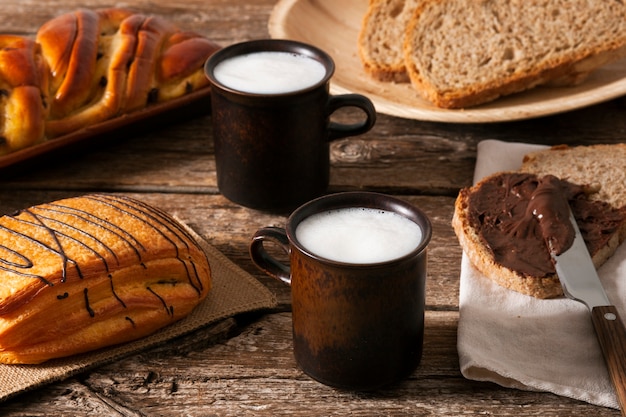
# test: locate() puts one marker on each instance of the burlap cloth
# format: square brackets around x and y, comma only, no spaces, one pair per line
[234,291]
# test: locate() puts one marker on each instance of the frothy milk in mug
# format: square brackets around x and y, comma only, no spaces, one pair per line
[269,72]
[359,235]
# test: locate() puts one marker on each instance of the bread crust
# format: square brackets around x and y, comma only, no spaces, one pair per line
[599,166]
[93,271]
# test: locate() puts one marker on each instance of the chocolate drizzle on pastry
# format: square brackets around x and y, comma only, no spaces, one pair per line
[87,272]
[43,226]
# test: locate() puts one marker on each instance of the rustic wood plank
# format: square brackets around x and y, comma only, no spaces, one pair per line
[224,21]
[398,156]
[237,377]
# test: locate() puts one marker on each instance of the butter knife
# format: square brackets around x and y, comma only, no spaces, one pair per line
[580,282]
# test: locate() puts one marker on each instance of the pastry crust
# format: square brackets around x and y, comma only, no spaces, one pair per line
[93,271]
[114,65]
[23,97]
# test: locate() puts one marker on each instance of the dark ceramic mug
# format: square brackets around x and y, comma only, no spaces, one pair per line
[355,326]
[272,149]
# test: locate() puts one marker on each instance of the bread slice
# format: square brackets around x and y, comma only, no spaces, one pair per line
[88,272]
[461,53]
[380,38]
[601,166]
[516,257]
[482,258]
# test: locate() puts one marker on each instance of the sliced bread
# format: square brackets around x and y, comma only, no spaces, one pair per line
[461,53]
[599,166]
[380,38]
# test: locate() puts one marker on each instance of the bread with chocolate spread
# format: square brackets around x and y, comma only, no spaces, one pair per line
[83,273]
[88,66]
[601,167]
[500,230]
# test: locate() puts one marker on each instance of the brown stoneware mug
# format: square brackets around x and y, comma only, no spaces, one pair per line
[358,318]
[272,129]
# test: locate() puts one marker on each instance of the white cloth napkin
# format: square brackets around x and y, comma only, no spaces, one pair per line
[521,342]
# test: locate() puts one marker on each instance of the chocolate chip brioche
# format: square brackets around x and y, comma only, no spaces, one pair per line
[93,271]
[88,66]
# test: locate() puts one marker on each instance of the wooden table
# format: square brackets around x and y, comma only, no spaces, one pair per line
[244,365]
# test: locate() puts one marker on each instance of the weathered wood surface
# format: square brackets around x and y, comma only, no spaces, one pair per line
[243,365]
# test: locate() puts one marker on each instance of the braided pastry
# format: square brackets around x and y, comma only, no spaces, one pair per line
[88,66]
[23,93]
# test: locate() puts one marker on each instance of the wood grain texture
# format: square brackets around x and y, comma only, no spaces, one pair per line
[244,365]
[231,377]
[612,337]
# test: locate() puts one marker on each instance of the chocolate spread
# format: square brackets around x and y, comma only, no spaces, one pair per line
[519,215]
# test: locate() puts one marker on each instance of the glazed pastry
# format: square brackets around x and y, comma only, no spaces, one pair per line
[93,271]
[88,66]
[112,61]
[23,97]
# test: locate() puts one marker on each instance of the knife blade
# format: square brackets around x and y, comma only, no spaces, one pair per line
[580,282]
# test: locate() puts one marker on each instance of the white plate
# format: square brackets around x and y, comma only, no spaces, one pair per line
[334,26]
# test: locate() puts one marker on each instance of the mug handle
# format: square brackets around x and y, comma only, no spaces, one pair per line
[340,130]
[263,260]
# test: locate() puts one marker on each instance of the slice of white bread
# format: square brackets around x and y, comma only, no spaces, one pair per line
[599,166]
[380,38]
[461,53]
[571,163]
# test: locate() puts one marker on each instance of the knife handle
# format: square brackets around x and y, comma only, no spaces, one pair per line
[612,337]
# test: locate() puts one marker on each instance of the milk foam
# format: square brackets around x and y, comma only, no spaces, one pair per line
[359,235]
[269,72]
